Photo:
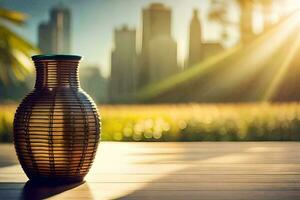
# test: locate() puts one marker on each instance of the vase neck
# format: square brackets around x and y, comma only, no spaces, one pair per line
[56,74]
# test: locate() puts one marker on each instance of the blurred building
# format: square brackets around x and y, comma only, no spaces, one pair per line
[54,36]
[123,65]
[159,50]
[195,40]
[93,83]
[45,37]
[198,49]
[60,20]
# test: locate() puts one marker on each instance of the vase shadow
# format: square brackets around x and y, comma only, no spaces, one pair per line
[35,190]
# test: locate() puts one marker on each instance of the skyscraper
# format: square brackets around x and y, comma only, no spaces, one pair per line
[60,21]
[195,40]
[123,65]
[198,48]
[55,35]
[45,37]
[159,50]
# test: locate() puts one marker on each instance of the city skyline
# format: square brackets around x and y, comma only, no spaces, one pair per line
[54,35]
[102,34]
[94,23]
[157,60]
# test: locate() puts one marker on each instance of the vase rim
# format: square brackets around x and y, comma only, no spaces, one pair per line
[56,57]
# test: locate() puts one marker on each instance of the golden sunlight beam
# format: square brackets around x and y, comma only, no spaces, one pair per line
[272,89]
[254,58]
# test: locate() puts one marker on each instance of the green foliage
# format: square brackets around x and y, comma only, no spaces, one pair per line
[15,51]
[190,122]
[6,123]
[196,122]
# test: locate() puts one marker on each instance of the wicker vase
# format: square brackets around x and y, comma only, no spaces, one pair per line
[56,127]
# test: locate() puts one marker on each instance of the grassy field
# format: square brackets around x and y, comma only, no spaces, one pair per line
[189,122]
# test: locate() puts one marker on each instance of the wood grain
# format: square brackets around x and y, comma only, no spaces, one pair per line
[210,170]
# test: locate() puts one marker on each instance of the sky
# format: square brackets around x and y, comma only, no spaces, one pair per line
[93,23]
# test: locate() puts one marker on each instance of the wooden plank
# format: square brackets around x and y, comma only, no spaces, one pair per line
[205,170]
[177,178]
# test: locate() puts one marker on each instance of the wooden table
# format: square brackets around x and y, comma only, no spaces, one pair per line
[258,170]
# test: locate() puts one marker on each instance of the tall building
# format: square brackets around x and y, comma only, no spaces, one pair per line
[162,58]
[195,40]
[198,48]
[159,50]
[123,65]
[55,35]
[60,20]
[45,37]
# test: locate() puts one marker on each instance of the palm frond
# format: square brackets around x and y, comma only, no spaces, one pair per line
[15,56]
[16,40]
[12,16]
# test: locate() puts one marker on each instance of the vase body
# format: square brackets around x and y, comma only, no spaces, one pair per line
[56,127]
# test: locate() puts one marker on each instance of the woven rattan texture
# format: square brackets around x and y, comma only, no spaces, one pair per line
[56,127]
